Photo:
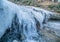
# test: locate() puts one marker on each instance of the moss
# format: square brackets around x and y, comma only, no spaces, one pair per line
[58,11]
[56,8]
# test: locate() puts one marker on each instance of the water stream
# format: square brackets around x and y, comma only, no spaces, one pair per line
[22,23]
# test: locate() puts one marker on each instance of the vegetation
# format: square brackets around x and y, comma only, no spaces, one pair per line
[25,2]
[55,7]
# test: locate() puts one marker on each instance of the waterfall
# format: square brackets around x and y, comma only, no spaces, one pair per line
[22,23]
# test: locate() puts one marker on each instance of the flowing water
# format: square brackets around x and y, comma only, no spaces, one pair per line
[22,23]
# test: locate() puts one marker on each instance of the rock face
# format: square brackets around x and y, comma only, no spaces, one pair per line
[26,24]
